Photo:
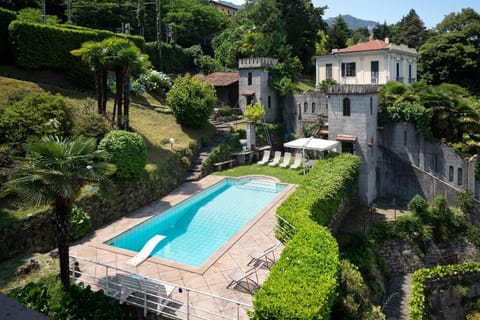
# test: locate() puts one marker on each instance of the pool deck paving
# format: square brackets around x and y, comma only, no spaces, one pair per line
[212,278]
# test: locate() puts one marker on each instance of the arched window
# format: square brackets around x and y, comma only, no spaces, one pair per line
[249,79]
[346,107]
[313,107]
[305,107]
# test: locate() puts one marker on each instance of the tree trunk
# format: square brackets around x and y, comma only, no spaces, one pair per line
[104,91]
[126,99]
[63,211]
[98,86]
[119,95]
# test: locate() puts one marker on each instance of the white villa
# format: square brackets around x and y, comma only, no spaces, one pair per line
[372,62]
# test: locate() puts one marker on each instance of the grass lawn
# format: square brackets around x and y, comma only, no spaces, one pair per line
[11,277]
[283,174]
[305,84]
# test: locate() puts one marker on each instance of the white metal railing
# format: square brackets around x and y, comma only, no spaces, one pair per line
[177,306]
[284,230]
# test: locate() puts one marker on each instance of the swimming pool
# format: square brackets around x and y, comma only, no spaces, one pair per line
[197,227]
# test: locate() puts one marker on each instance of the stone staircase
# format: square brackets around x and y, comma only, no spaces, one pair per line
[196,169]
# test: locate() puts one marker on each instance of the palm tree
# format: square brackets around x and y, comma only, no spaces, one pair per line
[123,57]
[53,172]
[91,53]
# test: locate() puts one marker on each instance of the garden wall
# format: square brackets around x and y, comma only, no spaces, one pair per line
[439,293]
[37,233]
[403,257]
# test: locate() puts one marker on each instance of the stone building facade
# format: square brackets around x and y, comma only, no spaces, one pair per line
[397,162]
[254,86]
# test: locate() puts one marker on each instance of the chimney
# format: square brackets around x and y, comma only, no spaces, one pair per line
[387,40]
[370,37]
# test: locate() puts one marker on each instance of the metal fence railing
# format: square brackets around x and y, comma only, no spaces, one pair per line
[154,296]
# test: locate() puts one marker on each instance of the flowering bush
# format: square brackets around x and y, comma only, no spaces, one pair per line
[155,81]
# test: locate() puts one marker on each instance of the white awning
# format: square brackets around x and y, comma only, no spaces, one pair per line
[313,144]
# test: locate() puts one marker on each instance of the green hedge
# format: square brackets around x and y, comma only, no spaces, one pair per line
[6,16]
[175,59]
[303,283]
[39,46]
[420,279]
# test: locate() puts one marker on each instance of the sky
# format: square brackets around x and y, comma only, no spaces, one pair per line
[431,12]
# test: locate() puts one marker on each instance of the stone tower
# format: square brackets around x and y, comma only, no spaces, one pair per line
[253,86]
[352,120]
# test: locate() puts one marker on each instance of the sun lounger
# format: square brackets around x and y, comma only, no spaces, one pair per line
[266,157]
[264,256]
[286,160]
[276,159]
[244,279]
[143,291]
[297,162]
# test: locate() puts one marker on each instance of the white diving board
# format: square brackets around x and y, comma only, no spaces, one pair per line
[146,250]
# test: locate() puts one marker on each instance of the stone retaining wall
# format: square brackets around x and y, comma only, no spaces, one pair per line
[402,257]
[446,296]
[38,233]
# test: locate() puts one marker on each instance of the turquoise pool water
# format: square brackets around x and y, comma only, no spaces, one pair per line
[197,227]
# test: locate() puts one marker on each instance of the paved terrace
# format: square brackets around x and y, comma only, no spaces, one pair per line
[212,278]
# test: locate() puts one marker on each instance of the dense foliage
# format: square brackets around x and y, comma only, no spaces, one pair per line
[445,111]
[6,16]
[191,100]
[92,125]
[39,46]
[353,300]
[452,54]
[254,112]
[436,221]
[419,306]
[128,151]
[80,223]
[35,116]
[78,302]
[303,282]
[174,59]
[278,29]
[191,21]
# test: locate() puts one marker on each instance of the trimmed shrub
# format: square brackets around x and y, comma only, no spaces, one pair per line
[6,16]
[92,125]
[128,152]
[192,101]
[37,115]
[175,59]
[419,307]
[303,282]
[39,46]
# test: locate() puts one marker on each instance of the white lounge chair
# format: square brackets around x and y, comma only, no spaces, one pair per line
[243,279]
[297,162]
[266,157]
[286,160]
[264,256]
[144,291]
[276,159]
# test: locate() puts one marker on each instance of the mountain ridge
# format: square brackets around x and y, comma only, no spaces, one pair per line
[353,22]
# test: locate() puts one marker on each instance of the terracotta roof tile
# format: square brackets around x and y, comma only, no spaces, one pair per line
[346,138]
[366,46]
[221,79]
